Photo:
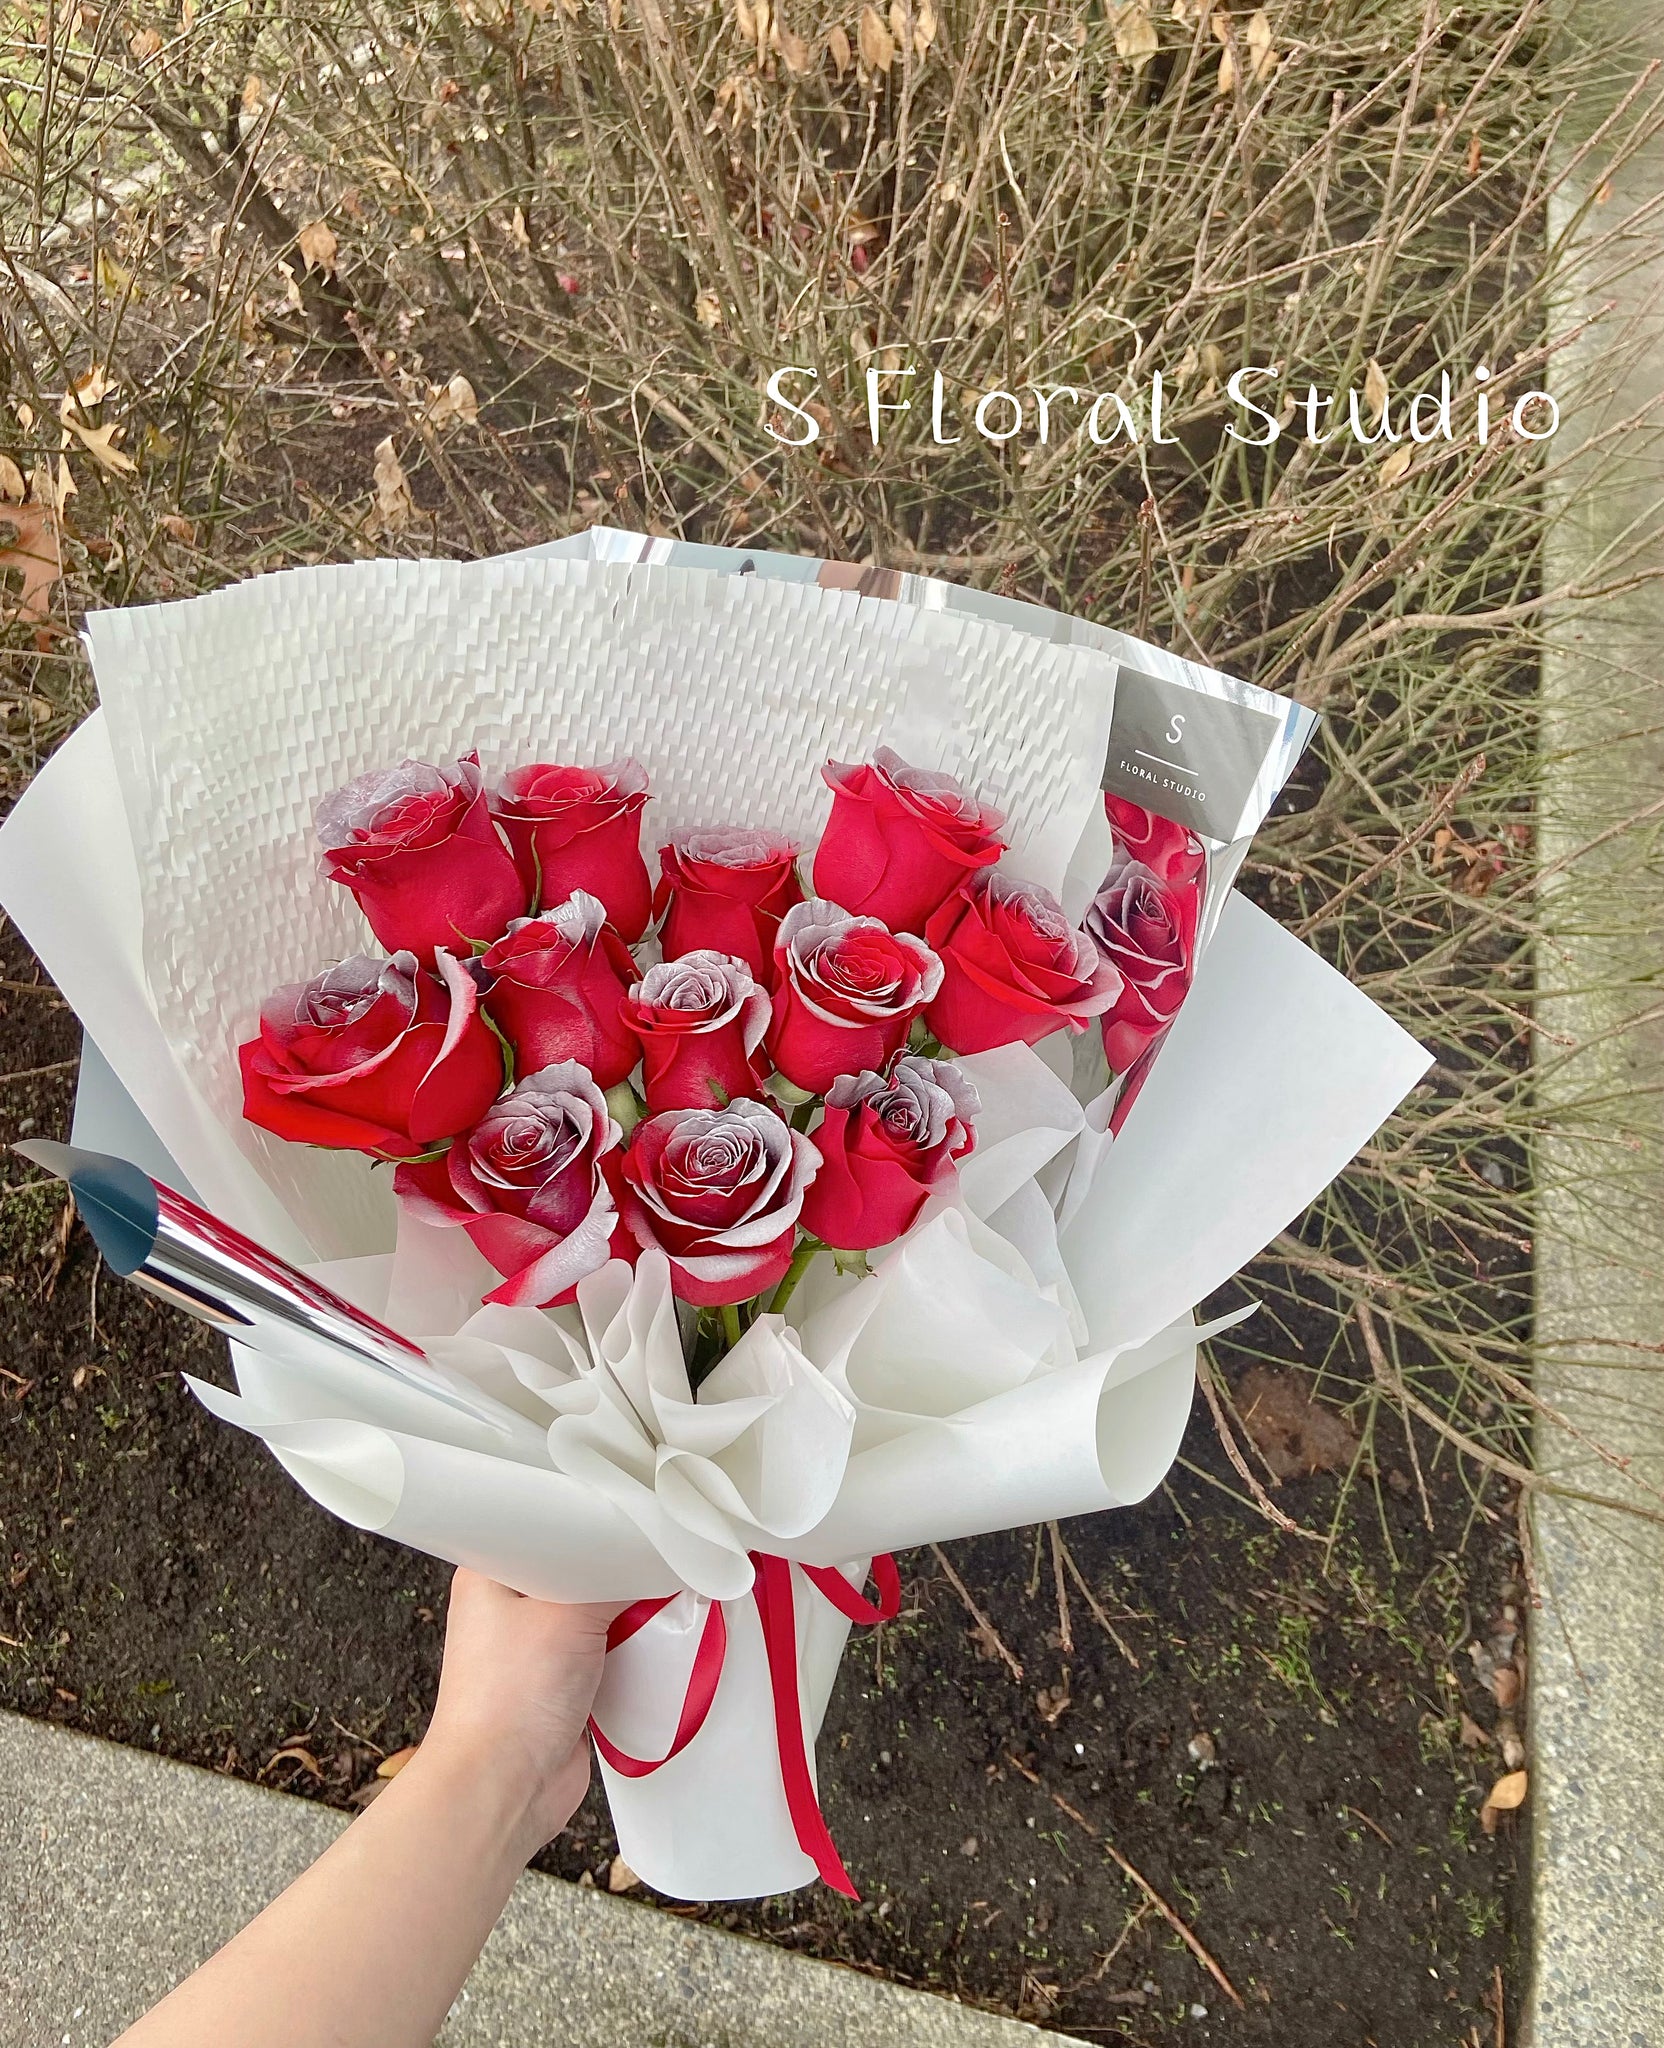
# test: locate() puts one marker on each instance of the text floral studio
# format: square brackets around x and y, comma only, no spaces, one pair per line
[1044,413]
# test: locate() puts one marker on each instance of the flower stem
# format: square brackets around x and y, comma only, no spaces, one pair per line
[806,1250]
[731,1322]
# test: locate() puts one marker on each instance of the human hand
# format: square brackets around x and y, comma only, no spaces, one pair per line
[514,1696]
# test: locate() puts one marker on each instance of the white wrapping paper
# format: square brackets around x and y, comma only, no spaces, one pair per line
[993,1371]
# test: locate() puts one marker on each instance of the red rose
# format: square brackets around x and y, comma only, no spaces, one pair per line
[528,1185]
[1014,968]
[1148,928]
[887,1146]
[718,1191]
[900,840]
[725,891]
[579,828]
[700,1019]
[373,1056]
[417,847]
[1171,852]
[846,991]
[555,987]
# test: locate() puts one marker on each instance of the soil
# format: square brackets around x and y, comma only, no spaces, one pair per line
[1288,1739]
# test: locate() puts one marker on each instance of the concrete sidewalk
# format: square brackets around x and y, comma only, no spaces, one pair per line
[1597,1796]
[119,1872]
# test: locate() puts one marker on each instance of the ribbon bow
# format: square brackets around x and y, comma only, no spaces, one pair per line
[772,1591]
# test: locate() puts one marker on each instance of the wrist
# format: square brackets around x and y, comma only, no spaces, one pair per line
[490,1791]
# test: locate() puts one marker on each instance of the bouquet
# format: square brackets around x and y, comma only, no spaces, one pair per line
[686,1177]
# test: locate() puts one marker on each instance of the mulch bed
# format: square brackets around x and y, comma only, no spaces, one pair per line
[1288,1741]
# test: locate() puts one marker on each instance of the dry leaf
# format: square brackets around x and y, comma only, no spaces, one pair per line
[1135,34]
[1227,71]
[620,1877]
[762,19]
[1262,58]
[745,22]
[1375,390]
[707,309]
[11,481]
[1603,192]
[1508,1792]
[1220,23]
[1472,1736]
[32,555]
[1505,1684]
[518,229]
[91,389]
[1053,1702]
[924,29]
[837,48]
[1476,154]
[390,1766]
[144,44]
[49,489]
[394,507]
[798,54]
[181,528]
[456,402]
[1294,1434]
[1397,463]
[295,1753]
[877,45]
[99,443]
[317,246]
[254,91]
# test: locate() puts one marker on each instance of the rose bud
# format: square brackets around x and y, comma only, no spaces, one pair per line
[1014,969]
[900,840]
[1147,927]
[718,1191]
[846,991]
[417,847]
[725,891]
[373,1056]
[528,1185]
[887,1146]
[579,828]
[1169,851]
[555,986]
[700,1019]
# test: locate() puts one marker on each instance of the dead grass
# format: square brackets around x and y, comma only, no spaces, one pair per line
[278,234]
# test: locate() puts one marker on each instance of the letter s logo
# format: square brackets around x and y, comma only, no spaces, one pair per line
[1175,729]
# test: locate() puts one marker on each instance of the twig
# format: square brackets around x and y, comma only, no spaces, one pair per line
[990,1633]
[1434,818]
[35,1073]
[1092,1602]
[1374,1826]
[1470,1447]
[1179,1927]
[1065,1626]
[1266,1505]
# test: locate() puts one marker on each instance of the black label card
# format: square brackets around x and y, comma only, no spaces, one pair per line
[1189,756]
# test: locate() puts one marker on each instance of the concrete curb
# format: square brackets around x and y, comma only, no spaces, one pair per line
[1597,1798]
[121,1871]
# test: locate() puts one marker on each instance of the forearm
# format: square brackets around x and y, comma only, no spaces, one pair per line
[369,1947]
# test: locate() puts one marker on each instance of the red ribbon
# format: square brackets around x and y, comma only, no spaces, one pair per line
[776,1610]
